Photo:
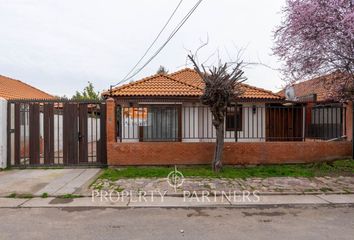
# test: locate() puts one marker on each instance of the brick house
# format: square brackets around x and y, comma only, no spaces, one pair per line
[159,120]
[325,117]
[166,107]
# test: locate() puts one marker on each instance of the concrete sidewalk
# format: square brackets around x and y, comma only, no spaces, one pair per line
[54,182]
[179,202]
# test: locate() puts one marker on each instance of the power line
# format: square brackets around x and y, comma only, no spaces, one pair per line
[173,33]
[156,38]
[182,22]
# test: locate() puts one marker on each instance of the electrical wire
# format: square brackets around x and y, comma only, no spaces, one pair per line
[173,33]
[156,38]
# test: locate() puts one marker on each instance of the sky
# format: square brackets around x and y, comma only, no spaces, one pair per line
[58,46]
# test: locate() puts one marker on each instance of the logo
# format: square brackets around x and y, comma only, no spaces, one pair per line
[175,179]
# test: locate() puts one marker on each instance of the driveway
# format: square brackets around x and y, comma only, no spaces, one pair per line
[51,181]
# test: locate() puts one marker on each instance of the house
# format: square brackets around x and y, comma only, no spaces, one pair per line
[15,89]
[166,107]
[317,89]
[326,118]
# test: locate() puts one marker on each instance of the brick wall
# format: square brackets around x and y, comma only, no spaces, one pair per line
[170,153]
[111,120]
[152,153]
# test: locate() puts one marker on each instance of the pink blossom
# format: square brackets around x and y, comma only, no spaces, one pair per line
[316,37]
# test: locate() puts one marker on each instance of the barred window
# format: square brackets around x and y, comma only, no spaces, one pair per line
[230,118]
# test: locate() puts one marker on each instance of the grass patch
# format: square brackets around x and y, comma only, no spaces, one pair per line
[44,195]
[336,168]
[69,196]
[119,189]
[326,189]
[12,195]
[24,195]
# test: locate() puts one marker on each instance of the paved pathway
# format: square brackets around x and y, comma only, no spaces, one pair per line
[51,181]
[273,185]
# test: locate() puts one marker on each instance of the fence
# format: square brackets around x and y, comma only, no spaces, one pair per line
[253,123]
[56,132]
[326,122]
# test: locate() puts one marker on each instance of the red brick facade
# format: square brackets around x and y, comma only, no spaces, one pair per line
[170,153]
[111,121]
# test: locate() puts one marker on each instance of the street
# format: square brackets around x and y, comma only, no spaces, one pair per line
[322,222]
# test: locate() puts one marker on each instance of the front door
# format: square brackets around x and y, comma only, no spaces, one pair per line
[284,123]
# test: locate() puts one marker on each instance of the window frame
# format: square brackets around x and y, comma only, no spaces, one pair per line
[239,123]
[179,123]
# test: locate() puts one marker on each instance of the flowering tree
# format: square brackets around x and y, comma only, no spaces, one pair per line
[316,37]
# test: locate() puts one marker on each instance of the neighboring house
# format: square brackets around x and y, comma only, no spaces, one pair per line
[23,96]
[15,89]
[326,118]
[315,90]
[166,107]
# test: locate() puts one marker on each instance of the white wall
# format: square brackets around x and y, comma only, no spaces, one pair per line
[200,126]
[3,133]
[326,115]
[197,124]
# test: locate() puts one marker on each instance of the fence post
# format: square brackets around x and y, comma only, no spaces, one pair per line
[111,120]
[3,133]
[304,116]
[235,116]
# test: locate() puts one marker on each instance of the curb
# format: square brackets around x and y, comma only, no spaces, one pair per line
[199,193]
[178,202]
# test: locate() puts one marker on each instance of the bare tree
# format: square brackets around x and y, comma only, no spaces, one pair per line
[222,87]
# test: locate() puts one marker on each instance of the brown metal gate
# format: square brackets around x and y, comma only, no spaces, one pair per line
[284,123]
[56,133]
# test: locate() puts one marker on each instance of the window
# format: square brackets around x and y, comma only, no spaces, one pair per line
[162,124]
[230,118]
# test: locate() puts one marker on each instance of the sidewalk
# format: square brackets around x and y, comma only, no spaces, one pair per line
[266,186]
[179,202]
[53,182]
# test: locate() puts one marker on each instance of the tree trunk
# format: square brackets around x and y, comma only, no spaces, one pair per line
[217,161]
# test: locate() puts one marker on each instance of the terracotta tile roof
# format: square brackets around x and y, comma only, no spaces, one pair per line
[157,85]
[185,82]
[319,86]
[259,93]
[189,76]
[15,89]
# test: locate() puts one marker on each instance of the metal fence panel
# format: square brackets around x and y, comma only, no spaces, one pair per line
[192,123]
[56,132]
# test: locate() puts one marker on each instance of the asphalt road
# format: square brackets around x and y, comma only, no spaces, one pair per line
[156,223]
